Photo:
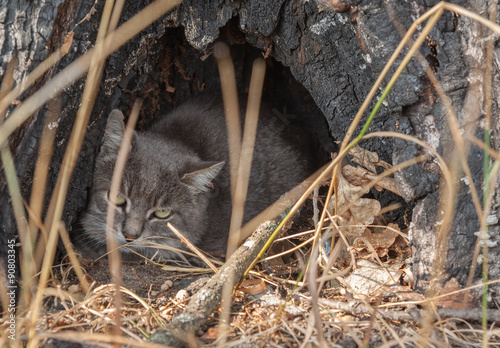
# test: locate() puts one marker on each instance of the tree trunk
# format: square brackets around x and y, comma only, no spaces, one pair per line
[322,62]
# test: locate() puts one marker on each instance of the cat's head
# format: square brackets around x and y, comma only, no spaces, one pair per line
[163,181]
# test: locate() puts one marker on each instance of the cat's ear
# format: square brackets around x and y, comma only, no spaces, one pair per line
[114,133]
[200,176]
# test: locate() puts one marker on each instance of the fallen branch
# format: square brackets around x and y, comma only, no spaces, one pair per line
[358,308]
[202,304]
[412,314]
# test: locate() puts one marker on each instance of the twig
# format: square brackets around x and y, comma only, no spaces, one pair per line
[358,308]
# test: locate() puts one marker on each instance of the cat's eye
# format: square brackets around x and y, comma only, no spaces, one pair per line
[120,200]
[162,213]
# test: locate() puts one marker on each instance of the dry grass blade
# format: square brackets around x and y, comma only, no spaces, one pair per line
[27,263]
[73,258]
[7,83]
[487,86]
[48,63]
[38,194]
[250,337]
[42,167]
[483,146]
[97,338]
[155,245]
[116,180]
[144,304]
[446,172]
[231,109]
[383,73]
[464,12]
[243,177]
[10,171]
[94,59]
[336,251]
[18,207]
[313,288]
[363,175]
[390,208]
[192,247]
[438,297]
[115,16]
[246,153]
[290,250]
[319,176]
[58,198]
[232,113]
[380,177]
[297,247]
[285,202]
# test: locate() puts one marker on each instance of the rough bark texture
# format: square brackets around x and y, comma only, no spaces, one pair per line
[25,28]
[320,60]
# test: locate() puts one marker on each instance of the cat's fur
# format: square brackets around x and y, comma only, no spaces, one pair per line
[182,164]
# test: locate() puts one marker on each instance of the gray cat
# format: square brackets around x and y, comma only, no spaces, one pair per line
[178,172]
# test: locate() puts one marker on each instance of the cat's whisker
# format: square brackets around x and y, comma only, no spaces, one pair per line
[162,246]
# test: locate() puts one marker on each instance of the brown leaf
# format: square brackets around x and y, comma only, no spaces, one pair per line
[68,40]
[383,242]
[360,212]
[360,176]
[380,240]
[337,5]
[367,159]
[459,300]
[252,286]
[212,333]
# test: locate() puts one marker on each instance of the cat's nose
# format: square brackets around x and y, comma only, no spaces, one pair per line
[133,229]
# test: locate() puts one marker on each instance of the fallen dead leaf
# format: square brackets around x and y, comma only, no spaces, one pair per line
[361,177]
[380,240]
[212,333]
[252,286]
[370,278]
[460,300]
[361,213]
[367,159]
[68,40]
